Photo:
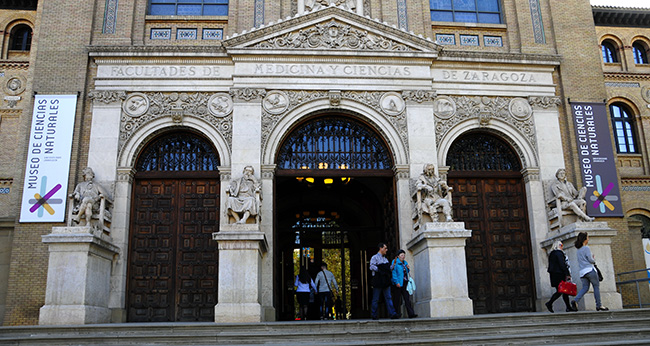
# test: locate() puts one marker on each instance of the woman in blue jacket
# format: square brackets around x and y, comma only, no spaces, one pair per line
[400,279]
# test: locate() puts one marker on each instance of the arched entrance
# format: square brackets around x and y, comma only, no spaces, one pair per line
[490,197]
[173,261]
[334,202]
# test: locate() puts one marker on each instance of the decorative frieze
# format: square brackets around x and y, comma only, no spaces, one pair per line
[402,171]
[419,96]
[142,108]
[268,171]
[483,110]
[530,174]
[333,35]
[544,102]
[125,174]
[107,96]
[247,94]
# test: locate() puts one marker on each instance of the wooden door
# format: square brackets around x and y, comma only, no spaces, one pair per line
[173,260]
[499,263]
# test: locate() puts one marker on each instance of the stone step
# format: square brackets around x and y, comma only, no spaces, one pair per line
[623,327]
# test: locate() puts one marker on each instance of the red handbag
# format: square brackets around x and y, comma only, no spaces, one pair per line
[567,287]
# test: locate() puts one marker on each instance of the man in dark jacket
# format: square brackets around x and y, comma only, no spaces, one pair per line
[381,280]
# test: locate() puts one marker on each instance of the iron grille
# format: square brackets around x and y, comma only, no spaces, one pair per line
[333,143]
[179,152]
[482,152]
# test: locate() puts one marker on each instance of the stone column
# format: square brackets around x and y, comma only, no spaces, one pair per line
[241,247]
[600,240]
[440,271]
[78,277]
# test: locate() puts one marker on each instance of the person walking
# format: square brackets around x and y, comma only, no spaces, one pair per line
[401,271]
[588,274]
[381,280]
[324,282]
[304,285]
[559,270]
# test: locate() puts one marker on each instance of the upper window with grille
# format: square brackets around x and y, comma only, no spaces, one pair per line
[609,51]
[188,7]
[21,38]
[466,11]
[640,53]
[624,131]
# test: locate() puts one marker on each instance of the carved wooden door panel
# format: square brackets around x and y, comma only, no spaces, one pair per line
[173,261]
[499,264]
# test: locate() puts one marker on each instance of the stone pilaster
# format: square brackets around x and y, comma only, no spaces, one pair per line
[78,277]
[440,271]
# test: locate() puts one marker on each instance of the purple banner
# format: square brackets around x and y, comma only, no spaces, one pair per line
[597,162]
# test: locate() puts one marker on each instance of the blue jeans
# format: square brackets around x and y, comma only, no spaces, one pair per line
[376,292]
[589,278]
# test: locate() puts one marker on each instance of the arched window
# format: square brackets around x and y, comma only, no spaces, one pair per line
[334,143]
[609,51]
[645,228]
[478,151]
[188,7]
[623,125]
[21,38]
[466,11]
[640,53]
[178,152]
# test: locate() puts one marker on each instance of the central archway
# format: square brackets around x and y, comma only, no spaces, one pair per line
[335,200]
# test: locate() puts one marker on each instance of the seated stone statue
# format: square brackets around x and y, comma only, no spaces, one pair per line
[432,196]
[88,201]
[244,197]
[568,197]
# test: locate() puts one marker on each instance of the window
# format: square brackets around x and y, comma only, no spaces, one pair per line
[640,53]
[623,125]
[188,7]
[21,38]
[466,11]
[609,52]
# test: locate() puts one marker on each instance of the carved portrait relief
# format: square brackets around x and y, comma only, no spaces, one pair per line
[645,93]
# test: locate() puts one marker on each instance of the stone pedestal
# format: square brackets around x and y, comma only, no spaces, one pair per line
[241,248]
[600,240]
[440,271]
[78,277]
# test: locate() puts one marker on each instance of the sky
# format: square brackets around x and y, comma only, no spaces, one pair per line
[622,3]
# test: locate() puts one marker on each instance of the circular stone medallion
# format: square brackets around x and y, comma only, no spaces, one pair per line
[392,103]
[645,93]
[220,105]
[275,102]
[444,107]
[520,108]
[136,104]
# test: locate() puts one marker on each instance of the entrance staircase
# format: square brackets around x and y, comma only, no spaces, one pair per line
[623,327]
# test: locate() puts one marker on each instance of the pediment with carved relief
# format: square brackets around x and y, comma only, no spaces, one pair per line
[331,28]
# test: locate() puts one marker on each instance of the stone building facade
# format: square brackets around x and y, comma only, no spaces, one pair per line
[335,107]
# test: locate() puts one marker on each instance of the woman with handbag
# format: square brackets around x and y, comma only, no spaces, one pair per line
[305,288]
[559,270]
[400,279]
[588,272]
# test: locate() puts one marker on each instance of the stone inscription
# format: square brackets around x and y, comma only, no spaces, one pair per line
[160,71]
[332,70]
[510,77]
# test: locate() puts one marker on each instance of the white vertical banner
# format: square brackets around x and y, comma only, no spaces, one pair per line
[48,159]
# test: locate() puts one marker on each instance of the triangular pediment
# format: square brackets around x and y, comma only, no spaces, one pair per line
[331,29]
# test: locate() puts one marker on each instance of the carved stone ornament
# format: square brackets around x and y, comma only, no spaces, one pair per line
[333,35]
[175,106]
[247,94]
[220,105]
[520,109]
[444,107]
[311,5]
[392,103]
[107,96]
[14,85]
[371,99]
[335,98]
[544,102]
[294,5]
[419,96]
[136,105]
[645,93]
[275,102]
[484,109]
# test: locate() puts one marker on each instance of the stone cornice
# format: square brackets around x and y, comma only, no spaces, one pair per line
[508,58]
[147,51]
[636,181]
[14,64]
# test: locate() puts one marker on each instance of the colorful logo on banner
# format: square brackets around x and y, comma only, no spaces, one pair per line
[48,159]
[596,157]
